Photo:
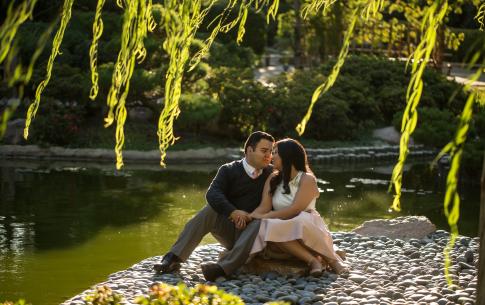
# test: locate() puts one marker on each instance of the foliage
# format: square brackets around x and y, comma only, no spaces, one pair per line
[473,42]
[231,55]
[198,113]
[103,295]
[32,111]
[55,117]
[368,92]
[163,294]
[435,127]
[245,103]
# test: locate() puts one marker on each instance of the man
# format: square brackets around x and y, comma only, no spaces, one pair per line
[234,193]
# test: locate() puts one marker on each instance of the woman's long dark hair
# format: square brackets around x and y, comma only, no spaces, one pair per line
[291,153]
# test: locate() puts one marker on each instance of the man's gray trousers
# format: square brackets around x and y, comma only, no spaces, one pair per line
[237,242]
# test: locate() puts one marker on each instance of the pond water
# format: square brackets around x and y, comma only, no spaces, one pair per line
[65,227]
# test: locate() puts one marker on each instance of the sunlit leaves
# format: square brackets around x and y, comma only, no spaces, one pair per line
[137,21]
[223,25]
[433,18]
[93,49]
[181,20]
[8,30]
[163,294]
[370,7]
[480,17]
[32,111]
[455,149]
[14,18]
[315,6]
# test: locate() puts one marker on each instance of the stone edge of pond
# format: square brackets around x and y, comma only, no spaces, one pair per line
[317,155]
[383,271]
[108,155]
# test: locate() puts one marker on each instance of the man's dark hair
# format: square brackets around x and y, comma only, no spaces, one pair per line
[254,139]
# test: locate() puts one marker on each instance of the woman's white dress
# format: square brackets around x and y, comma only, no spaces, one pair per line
[307,227]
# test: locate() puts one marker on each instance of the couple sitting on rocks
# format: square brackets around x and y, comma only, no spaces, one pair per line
[255,207]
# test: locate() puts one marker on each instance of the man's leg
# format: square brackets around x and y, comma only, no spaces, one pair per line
[201,224]
[239,253]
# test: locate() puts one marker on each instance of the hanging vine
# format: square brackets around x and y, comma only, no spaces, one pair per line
[32,111]
[455,149]
[433,18]
[93,49]
[137,21]
[181,20]
[365,8]
[14,19]
[480,17]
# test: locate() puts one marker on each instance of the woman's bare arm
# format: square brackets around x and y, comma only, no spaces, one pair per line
[266,200]
[307,191]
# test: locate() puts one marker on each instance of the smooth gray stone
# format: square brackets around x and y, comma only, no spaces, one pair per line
[305,300]
[350,303]
[429,299]
[293,299]
[358,294]
[358,279]
[262,298]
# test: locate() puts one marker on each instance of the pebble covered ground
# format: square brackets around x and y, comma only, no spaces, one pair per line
[382,271]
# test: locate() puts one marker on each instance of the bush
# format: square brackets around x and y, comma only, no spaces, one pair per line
[56,123]
[231,55]
[198,112]
[435,127]
[163,294]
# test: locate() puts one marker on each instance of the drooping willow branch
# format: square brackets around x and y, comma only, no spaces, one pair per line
[182,20]
[372,7]
[433,18]
[480,17]
[455,149]
[14,18]
[19,76]
[137,21]
[32,111]
[315,6]
[180,30]
[225,26]
[93,49]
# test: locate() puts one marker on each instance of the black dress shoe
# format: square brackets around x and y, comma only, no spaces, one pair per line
[212,271]
[169,263]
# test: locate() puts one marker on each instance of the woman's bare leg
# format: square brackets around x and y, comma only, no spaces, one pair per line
[296,249]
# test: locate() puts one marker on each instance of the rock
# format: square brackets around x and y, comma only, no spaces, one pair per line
[406,227]
[388,134]
[14,133]
[262,266]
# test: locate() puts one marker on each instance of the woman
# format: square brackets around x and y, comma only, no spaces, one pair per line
[290,223]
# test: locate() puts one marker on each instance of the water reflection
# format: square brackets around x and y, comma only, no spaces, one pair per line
[55,209]
[65,229]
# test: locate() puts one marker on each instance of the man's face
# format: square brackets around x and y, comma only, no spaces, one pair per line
[260,156]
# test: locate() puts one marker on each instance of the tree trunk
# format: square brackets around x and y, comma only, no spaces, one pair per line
[481,257]
[297,57]
[439,49]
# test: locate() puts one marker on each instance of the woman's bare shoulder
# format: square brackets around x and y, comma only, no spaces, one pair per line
[308,178]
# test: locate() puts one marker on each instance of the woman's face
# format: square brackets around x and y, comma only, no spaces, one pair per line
[277,164]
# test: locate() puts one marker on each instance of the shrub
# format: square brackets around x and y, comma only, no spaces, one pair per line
[163,294]
[231,55]
[56,123]
[198,112]
[103,295]
[435,127]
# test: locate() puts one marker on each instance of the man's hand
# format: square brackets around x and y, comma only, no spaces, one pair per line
[240,219]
